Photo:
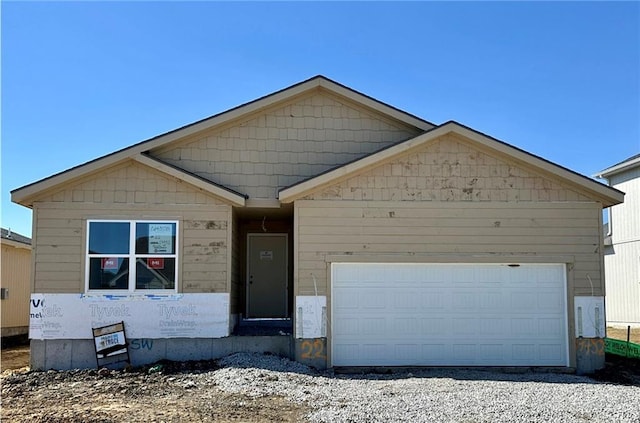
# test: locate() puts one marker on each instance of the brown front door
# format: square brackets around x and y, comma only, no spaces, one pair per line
[266,275]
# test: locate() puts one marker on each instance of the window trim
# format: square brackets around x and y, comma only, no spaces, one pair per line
[132,256]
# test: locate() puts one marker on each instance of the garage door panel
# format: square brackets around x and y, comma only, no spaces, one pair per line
[409,300]
[406,326]
[346,299]
[524,327]
[491,353]
[373,299]
[550,328]
[550,300]
[435,326]
[547,352]
[373,326]
[525,353]
[490,300]
[347,327]
[464,300]
[436,299]
[349,353]
[424,316]
[374,352]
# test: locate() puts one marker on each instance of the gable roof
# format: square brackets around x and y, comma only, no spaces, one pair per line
[234,197]
[24,195]
[14,238]
[626,164]
[607,195]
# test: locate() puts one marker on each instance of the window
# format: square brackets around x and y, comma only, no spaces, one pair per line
[131,255]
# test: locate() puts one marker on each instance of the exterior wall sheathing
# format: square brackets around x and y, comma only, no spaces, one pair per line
[450,203]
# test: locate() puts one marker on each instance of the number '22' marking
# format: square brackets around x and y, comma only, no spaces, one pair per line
[312,349]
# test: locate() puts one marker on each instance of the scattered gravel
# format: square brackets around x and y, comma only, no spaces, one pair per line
[430,395]
[263,388]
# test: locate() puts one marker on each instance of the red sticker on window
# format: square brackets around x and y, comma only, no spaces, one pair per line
[110,263]
[155,263]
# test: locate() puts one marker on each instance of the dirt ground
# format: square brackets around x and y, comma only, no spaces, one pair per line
[14,357]
[621,334]
[137,395]
[172,394]
[169,396]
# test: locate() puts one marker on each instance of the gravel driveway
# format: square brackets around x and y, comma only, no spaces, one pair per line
[432,395]
[261,388]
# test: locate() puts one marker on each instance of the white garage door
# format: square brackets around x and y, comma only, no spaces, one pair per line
[448,315]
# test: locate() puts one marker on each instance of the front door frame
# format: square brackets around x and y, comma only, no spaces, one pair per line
[286,269]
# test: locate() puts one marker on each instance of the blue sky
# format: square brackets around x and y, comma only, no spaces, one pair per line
[81,80]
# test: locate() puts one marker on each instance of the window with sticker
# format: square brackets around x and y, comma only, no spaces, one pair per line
[131,255]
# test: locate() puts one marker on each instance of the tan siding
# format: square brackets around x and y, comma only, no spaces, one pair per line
[61,227]
[130,183]
[449,169]
[286,145]
[16,271]
[430,230]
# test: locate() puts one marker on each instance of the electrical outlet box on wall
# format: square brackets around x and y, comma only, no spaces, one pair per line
[589,315]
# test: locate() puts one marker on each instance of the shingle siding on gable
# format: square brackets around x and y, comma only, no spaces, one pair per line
[287,145]
[131,183]
[449,170]
[130,191]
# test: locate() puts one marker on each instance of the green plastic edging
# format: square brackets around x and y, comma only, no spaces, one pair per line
[617,347]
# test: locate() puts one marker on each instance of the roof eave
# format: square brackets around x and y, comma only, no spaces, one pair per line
[619,168]
[15,244]
[225,194]
[301,189]
[24,194]
[606,195]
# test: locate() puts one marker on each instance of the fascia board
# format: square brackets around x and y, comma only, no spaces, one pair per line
[376,105]
[604,174]
[295,192]
[22,195]
[228,196]
[25,195]
[15,244]
[607,195]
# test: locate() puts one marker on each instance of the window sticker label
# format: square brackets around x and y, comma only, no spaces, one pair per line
[110,263]
[155,263]
[160,238]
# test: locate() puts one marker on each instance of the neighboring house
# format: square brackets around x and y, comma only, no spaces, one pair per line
[622,245]
[381,238]
[15,284]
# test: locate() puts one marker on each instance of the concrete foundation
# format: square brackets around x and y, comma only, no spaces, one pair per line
[312,352]
[80,353]
[66,354]
[589,355]
[14,331]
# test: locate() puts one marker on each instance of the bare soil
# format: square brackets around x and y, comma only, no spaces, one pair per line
[621,334]
[12,358]
[142,395]
[169,395]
